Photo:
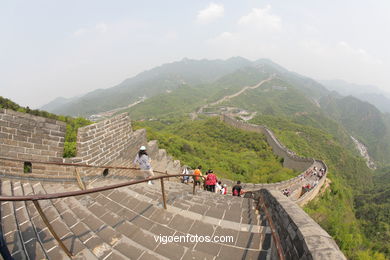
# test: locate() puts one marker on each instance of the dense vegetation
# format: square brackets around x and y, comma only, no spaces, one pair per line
[364,121]
[231,153]
[72,124]
[373,209]
[187,98]
[349,175]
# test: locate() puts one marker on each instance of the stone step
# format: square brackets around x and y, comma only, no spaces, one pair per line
[10,227]
[227,207]
[28,230]
[157,215]
[247,216]
[89,231]
[122,223]
[57,219]
[103,228]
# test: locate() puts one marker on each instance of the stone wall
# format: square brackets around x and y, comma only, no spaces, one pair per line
[291,160]
[300,236]
[28,138]
[105,141]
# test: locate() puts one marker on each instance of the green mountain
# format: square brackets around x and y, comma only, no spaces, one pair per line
[307,118]
[363,121]
[371,94]
[158,80]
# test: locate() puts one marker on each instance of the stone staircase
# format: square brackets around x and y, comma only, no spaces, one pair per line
[123,223]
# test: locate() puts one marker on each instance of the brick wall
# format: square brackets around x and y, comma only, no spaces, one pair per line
[105,141]
[112,142]
[301,237]
[27,137]
[30,138]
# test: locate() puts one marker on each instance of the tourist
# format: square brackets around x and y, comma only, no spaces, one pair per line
[224,189]
[237,189]
[210,181]
[198,174]
[204,181]
[186,171]
[218,187]
[142,158]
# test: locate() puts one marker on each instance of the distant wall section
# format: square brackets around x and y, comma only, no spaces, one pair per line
[291,160]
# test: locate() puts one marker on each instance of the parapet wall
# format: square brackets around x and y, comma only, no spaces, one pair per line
[300,236]
[291,160]
[28,138]
[106,141]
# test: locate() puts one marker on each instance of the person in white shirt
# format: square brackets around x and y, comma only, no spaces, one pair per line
[143,160]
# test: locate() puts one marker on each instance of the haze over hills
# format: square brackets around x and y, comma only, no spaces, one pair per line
[369,93]
[164,78]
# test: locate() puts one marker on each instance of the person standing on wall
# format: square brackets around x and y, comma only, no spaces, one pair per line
[142,158]
[198,174]
[237,189]
[210,181]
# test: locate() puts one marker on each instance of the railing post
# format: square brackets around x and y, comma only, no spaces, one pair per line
[163,193]
[50,227]
[79,180]
[194,186]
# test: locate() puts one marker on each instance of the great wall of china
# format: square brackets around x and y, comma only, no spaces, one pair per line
[112,142]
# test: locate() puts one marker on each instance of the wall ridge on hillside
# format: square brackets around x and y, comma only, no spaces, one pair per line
[290,160]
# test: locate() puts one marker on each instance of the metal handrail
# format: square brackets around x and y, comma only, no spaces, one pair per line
[73,164]
[37,197]
[84,192]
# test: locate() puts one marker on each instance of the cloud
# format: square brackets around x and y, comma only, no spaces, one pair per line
[262,19]
[98,28]
[210,13]
[358,53]
[101,27]
[79,32]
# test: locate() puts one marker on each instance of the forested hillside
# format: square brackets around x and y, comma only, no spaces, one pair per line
[158,80]
[231,153]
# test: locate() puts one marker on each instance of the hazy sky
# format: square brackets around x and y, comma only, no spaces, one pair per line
[67,48]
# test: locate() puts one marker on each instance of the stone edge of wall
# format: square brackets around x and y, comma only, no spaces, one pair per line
[301,237]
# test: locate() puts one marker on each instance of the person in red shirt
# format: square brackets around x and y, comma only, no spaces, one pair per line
[211,180]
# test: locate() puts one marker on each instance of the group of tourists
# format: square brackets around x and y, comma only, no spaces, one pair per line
[209,180]
[309,175]
[310,179]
